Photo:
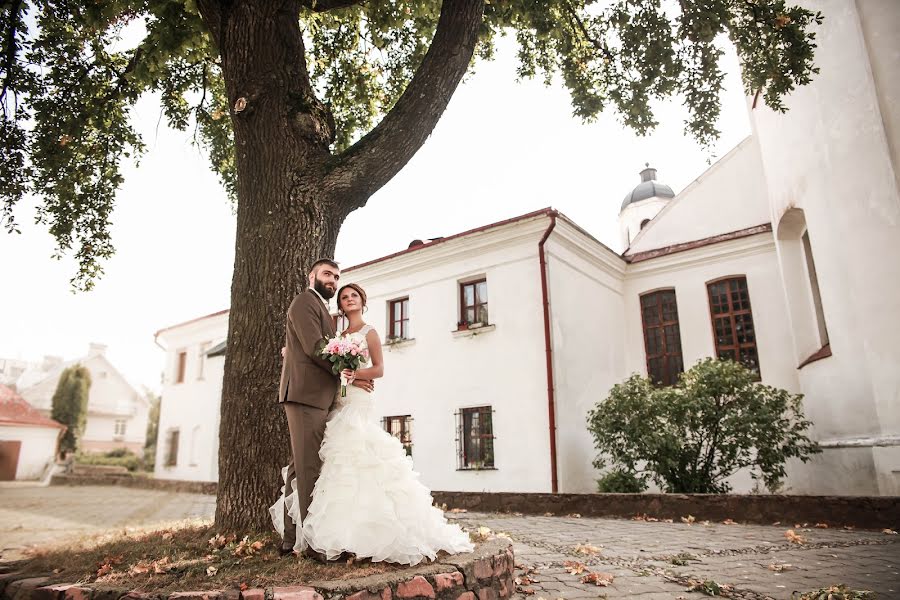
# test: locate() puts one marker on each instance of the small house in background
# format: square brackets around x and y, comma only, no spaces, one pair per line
[117,412]
[28,439]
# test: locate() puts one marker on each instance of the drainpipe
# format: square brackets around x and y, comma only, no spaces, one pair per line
[548,351]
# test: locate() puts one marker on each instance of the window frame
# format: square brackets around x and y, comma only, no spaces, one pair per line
[405,432]
[665,355]
[172,442]
[404,319]
[735,345]
[464,461]
[180,366]
[463,307]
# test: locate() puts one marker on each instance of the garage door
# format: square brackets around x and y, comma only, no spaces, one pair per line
[9,459]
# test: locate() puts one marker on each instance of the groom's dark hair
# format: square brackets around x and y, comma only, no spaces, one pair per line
[323,261]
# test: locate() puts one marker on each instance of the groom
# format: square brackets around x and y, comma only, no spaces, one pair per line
[308,386]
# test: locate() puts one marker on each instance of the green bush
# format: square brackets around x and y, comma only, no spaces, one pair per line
[619,481]
[119,457]
[690,437]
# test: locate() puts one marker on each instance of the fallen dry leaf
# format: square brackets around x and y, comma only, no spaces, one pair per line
[574,516]
[479,535]
[211,570]
[587,549]
[821,525]
[780,567]
[574,567]
[889,531]
[548,514]
[217,541]
[668,520]
[162,565]
[168,535]
[728,522]
[458,510]
[688,519]
[526,591]
[794,537]
[244,587]
[601,579]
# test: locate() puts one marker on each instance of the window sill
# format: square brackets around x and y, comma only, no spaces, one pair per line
[823,352]
[471,331]
[477,469]
[400,343]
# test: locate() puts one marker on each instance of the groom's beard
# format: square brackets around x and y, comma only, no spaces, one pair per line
[326,293]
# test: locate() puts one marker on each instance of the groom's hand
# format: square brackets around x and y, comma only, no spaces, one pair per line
[364,384]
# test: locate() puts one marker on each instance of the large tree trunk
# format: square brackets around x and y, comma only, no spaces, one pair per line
[293,196]
[281,136]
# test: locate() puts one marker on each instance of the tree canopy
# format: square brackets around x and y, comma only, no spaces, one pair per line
[70,405]
[70,79]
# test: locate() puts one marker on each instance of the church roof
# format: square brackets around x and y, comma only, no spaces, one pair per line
[14,410]
[647,188]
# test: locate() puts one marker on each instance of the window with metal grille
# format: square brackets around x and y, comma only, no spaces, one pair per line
[398,316]
[732,321]
[119,427]
[473,302]
[662,336]
[401,428]
[475,438]
[172,448]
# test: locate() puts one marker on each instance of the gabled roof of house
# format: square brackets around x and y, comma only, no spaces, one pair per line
[14,410]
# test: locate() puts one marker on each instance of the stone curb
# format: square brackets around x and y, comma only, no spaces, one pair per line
[865,512]
[485,574]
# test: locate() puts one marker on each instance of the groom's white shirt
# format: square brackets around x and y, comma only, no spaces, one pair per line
[324,301]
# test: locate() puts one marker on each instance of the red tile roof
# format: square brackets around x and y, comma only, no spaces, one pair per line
[14,410]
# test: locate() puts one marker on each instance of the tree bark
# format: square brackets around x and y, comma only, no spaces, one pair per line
[293,196]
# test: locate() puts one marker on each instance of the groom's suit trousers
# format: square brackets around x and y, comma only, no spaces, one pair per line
[307,427]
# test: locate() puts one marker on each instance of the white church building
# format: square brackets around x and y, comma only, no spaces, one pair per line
[783,254]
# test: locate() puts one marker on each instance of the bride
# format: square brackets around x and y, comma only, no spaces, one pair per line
[368,501]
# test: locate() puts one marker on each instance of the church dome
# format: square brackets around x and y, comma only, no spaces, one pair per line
[647,188]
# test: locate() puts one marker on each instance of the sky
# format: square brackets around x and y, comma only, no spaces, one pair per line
[503,148]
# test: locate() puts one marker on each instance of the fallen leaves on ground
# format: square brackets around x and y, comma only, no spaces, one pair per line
[728,522]
[688,519]
[889,531]
[217,541]
[525,580]
[587,549]
[106,567]
[599,579]
[211,570]
[683,559]
[821,525]
[459,510]
[479,535]
[835,592]
[573,567]
[645,518]
[708,587]
[794,537]
[246,548]
[574,516]
[781,567]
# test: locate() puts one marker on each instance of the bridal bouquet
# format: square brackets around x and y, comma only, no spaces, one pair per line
[343,353]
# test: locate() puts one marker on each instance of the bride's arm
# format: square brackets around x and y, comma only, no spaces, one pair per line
[377,357]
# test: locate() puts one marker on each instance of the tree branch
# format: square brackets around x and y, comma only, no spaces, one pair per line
[372,161]
[326,5]
[9,60]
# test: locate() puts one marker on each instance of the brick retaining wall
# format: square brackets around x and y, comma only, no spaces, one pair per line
[486,574]
[871,512]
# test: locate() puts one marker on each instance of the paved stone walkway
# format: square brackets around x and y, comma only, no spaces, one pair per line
[640,555]
[758,561]
[35,516]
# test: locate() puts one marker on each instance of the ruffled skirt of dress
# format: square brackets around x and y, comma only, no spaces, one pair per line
[368,500]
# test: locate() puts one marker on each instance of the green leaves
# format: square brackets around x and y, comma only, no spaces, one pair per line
[69,80]
[690,437]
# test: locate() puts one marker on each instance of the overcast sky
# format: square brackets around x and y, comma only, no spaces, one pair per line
[503,148]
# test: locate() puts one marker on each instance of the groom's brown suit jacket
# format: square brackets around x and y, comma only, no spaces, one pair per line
[306,377]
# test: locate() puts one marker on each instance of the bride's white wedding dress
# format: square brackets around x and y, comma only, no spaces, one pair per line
[368,500]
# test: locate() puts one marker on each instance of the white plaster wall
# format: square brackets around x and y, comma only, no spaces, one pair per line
[630,219]
[845,180]
[586,303]
[729,196]
[37,451]
[438,374]
[193,406]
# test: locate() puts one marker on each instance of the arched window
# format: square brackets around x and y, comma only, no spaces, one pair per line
[732,321]
[662,336]
[801,283]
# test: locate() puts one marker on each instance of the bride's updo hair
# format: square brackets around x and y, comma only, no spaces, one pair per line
[359,290]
